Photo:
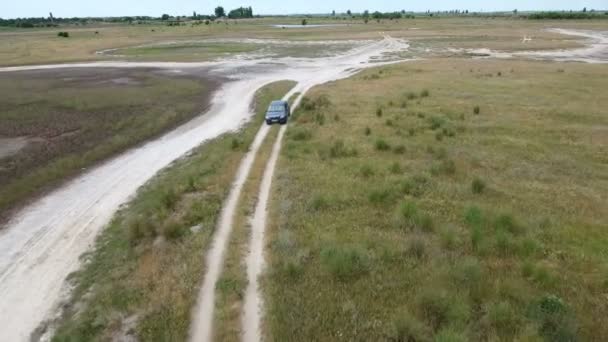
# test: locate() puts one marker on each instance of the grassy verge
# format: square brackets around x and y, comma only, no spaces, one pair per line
[444,200]
[143,276]
[83,117]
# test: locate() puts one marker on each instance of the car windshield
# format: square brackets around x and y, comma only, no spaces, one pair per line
[276,108]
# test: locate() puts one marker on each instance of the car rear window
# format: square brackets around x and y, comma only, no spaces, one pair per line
[276,108]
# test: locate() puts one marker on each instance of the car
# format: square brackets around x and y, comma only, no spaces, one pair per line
[278,112]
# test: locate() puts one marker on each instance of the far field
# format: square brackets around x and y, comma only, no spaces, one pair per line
[53,124]
[35,46]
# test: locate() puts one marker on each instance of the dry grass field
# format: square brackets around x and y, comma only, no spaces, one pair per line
[72,119]
[446,200]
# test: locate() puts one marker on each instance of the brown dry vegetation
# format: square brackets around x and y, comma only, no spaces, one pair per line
[148,263]
[74,118]
[448,222]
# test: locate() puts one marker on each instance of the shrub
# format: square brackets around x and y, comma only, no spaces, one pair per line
[477,186]
[404,104]
[399,149]
[339,150]
[379,112]
[440,308]
[425,222]
[168,199]
[300,134]
[381,196]
[336,118]
[416,248]
[424,93]
[448,132]
[416,185]
[503,318]
[173,230]
[506,223]
[407,328]
[411,96]
[527,269]
[436,122]
[476,110]
[476,237]
[344,262]
[320,119]
[63,34]
[138,228]
[319,202]
[446,166]
[449,240]
[529,247]
[395,168]
[411,132]
[473,217]
[235,144]
[368,131]
[367,171]
[556,321]
[389,122]
[439,136]
[467,273]
[382,145]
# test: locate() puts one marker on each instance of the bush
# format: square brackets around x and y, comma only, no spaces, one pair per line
[173,230]
[399,149]
[382,196]
[446,166]
[367,171]
[389,122]
[63,34]
[440,308]
[368,131]
[395,168]
[168,199]
[449,239]
[506,223]
[138,228]
[300,134]
[477,186]
[473,217]
[505,245]
[556,322]
[476,110]
[436,122]
[416,248]
[425,222]
[404,104]
[467,273]
[503,318]
[379,112]
[320,119]
[411,96]
[235,144]
[319,202]
[339,150]
[424,93]
[382,145]
[416,185]
[407,328]
[439,136]
[344,262]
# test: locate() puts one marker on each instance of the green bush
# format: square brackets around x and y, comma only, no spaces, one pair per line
[339,150]
[366,171]
[473,217]
[395,168]
[382,145]
[450,335]
[319,202]
[425,223]
[504,319]
[407,328]
[449,239]
[447,167]
[476,110]
[416,185]
[477,186]
[411,96]
[416,248]
[368,131]
[440,308]
[556,321]
[424,93]
[344,262]
[235,144]
[300,134]
[383,195]
[399,149]
[467,273]
[436,122]
[379,112]
[389,122]
[506,223]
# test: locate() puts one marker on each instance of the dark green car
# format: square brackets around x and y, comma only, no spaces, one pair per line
[278,112]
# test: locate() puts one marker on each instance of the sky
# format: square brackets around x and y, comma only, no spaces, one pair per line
[84,8]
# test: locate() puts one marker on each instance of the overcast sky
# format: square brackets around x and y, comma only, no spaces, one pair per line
[81,8]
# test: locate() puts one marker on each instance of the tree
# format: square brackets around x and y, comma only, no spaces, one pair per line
[219,12]
[165,17]
[366,14]
[515,11]
[585,10]
[333,13]
[349,13]
[304,22]
[241,12]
